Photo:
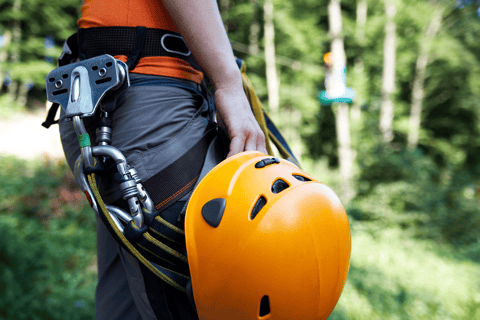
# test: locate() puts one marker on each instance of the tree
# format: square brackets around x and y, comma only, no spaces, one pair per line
[389,60]
[254,34]
[270,61]
[6,40]
[425,45]
[24,57]
[15,52]
[345,154]
[359,68]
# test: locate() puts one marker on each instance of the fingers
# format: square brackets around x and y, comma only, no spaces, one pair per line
[254,141]
[261,143]
[250,144]
[237,145]
[244,132]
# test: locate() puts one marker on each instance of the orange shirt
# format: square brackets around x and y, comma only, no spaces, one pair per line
[133,13]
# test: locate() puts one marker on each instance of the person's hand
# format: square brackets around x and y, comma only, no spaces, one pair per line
[244,131]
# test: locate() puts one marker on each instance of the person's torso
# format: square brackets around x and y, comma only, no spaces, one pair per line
[133,13]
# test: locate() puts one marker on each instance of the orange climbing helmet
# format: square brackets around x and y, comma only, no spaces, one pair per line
[265,240]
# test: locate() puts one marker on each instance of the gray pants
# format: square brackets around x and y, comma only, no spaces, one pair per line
[152,126]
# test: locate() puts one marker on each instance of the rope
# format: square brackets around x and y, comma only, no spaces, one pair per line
[131,248]
[259,113]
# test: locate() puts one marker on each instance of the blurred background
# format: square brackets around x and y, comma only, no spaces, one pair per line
[404,155]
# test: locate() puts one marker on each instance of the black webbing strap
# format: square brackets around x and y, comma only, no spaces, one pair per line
[51,116]
[133,41]
[276,133]
[69,51]
[134,57]
[82,55]
[178,278]
[178,178]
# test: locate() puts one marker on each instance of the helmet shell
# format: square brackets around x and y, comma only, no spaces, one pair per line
[295,251]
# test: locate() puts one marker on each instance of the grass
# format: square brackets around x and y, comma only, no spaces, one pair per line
[47,248]
[394,276]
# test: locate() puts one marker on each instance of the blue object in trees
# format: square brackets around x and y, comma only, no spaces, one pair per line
[340,92]
[347,97]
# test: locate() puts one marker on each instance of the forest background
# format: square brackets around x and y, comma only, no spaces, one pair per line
[404,156]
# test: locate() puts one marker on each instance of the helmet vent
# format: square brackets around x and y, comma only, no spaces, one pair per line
[301,178]
[279,185]
[264,306]
[257,207]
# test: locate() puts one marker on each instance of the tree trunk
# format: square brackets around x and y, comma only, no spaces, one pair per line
[342,122]
[15,54]
[12,93]
[7,38]
[253,47]
[388,87]
[271,67]
[359,69]
[16,32]
[22,94]
[362,7]
[425,45]
[345,153]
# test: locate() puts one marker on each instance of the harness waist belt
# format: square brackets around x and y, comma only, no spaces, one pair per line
[133,42]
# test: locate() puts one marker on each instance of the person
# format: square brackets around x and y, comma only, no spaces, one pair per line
[161,116]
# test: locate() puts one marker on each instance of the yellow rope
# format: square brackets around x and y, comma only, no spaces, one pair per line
[257,107]
[133,250]
[258,112]
[157,243]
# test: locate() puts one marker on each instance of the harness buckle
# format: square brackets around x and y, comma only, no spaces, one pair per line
[179,43]
[79,87]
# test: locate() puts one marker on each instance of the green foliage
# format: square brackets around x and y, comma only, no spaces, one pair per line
[408,189]
[47,251]
[36,20]
[393,276]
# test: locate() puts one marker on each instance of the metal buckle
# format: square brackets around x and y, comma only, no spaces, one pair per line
[79,87]
[162,41]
